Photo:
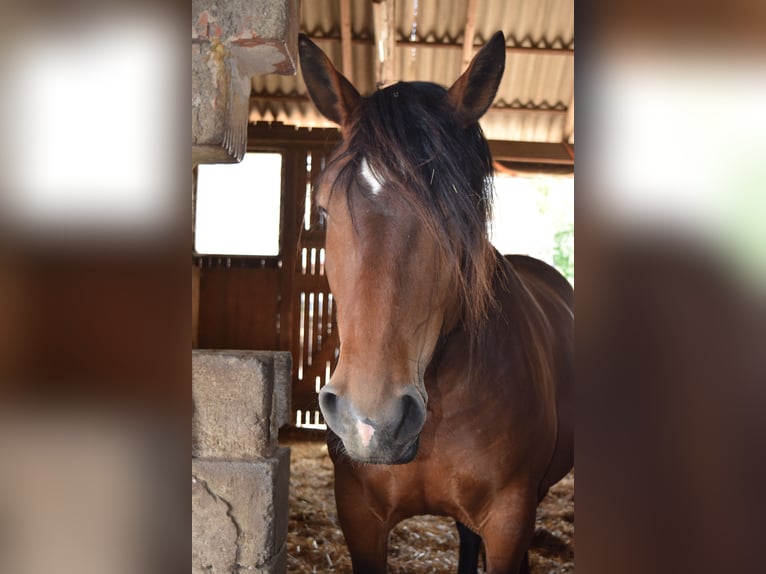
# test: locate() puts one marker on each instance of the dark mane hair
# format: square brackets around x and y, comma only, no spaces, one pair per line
[412,137]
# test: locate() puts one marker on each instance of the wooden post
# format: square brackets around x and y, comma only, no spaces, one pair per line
[469,33]
[345,39]
[384,17]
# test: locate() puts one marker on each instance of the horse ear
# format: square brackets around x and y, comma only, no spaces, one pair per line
[473,92]
[330,91]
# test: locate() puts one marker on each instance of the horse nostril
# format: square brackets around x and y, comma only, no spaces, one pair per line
[328,403]
[413,416]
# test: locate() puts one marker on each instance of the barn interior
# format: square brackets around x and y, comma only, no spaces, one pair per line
[273,295]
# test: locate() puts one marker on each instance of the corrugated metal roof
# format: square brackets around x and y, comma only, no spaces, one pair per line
[536,90]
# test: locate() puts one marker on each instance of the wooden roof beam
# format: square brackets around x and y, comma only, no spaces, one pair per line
[531,152]
[265,135]
[261,98]
[531,50]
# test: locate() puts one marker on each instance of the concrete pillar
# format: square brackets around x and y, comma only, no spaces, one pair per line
[240,476]
[240,399]
[231,42]
[239,515]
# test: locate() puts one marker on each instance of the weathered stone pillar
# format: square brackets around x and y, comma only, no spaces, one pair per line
[240,476]
[233,40]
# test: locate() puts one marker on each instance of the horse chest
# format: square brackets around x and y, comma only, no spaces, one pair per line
[433,485]
[450,474]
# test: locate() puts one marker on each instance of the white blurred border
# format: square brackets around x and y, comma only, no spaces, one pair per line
[89,127]
[680,148]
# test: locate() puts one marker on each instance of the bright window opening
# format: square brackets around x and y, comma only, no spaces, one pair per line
[535,216]
[238,206]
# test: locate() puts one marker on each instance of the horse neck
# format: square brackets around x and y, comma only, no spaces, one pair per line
[514,307]
[454,326]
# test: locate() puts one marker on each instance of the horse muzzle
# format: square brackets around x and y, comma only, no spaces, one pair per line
[391,437]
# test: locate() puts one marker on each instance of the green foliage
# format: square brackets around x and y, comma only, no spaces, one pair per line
[563,252]
[563,225]
[536,217]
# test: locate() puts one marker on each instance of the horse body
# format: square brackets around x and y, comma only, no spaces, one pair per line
[488,477]
[453,389]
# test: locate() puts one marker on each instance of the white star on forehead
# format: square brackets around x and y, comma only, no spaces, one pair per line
[375,184]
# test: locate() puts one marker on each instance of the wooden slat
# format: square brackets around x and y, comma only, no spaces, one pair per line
[331,329]
[298,164]
[315,335]
[306,331]
[288,249]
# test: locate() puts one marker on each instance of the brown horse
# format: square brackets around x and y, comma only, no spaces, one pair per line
[453,389]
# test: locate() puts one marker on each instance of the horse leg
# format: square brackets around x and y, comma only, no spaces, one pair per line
[366,535]
[366,538]
[508,533]
[368,546]
[470,544]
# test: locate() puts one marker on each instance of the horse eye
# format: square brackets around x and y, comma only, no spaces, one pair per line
[322,213]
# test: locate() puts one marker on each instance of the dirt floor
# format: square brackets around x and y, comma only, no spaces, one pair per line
[422,544]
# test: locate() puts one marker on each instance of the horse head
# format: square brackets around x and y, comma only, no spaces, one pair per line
[406,198]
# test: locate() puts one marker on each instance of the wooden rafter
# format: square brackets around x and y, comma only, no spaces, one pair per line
[469,33]
[531,50]
[346,38]
[265,135]
[260,98]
